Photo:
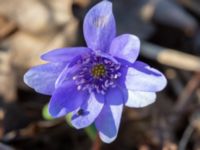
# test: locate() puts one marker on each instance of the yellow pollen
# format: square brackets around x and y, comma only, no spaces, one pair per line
[98,70]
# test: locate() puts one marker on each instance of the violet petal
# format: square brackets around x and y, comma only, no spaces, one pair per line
[66,75]
[89,111]
[114,96]
[42,78]
[66,99]
[64,54]
[99,26]
[137,99]
[108,121]
[141,77]
[126,47]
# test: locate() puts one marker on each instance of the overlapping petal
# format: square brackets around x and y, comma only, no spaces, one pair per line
[99,26]
[88,112]
[126,47]
[42,78]
[137,99]
[64,54]
[66,75]
[114,96]
[66,99]
[141,77]
[108,121]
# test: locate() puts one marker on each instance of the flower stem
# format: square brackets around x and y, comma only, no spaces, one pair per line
[91,132]
[97,143]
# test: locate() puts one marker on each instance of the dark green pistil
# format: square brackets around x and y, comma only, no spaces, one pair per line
[98,70]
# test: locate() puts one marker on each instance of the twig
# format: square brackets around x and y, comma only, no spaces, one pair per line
[192,5]
[185,138]
[5,147]
[174,81]
[189,89]
[170,57]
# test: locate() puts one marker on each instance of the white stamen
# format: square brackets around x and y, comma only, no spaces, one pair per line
[79,87]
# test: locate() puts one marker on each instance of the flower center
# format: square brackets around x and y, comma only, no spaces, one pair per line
[98,71]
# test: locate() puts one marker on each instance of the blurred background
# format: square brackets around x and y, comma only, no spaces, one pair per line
[170,35]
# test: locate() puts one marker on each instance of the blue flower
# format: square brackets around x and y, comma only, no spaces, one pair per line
[95,82]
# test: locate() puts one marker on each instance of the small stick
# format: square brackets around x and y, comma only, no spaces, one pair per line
[189,89]
[185,138]
[170,57]
[5,147]
[192,5]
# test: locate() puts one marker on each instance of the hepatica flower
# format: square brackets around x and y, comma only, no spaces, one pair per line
[95,82]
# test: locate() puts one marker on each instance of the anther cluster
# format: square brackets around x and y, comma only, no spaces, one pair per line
[96,74]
